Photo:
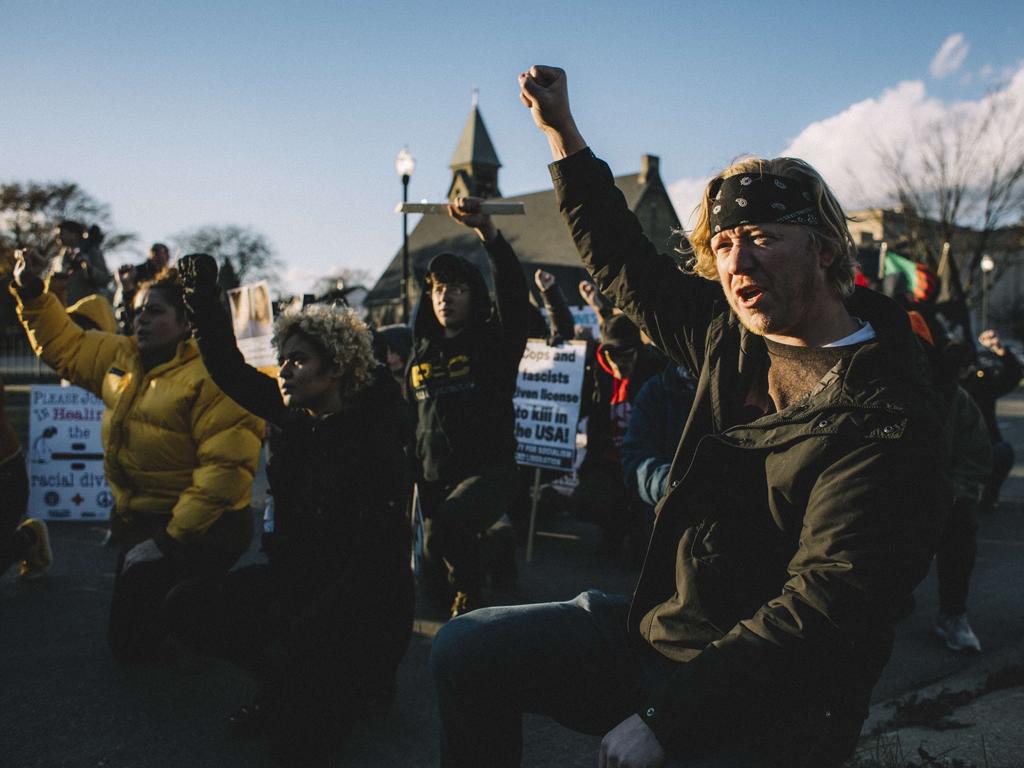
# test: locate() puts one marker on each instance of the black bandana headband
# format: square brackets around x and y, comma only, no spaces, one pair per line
[752,198]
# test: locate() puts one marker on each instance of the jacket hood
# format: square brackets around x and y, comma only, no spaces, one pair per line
[397,338]
[426,325]
[900,351]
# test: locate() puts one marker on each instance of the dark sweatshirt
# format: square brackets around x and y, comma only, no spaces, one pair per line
[463,386]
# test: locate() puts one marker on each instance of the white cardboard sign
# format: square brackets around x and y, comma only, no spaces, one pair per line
[65,455]
[252,315]
[547,403]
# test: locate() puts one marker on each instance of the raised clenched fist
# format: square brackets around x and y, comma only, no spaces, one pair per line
[545,92]
[544,280]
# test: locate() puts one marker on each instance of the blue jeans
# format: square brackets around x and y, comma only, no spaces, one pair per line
[571,661]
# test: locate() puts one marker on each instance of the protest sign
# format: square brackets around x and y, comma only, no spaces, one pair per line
[253,319]
[586,318]
[65,455]
[547,403]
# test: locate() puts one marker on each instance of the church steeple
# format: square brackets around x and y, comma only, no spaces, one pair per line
[474,164]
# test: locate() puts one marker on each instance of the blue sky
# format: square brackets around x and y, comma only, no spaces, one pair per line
[287,116]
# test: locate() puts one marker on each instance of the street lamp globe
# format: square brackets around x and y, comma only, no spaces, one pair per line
[987,263]
[405,163]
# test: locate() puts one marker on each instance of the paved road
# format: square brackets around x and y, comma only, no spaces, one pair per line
[63,703]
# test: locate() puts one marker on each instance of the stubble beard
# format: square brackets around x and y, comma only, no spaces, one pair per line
[791,301]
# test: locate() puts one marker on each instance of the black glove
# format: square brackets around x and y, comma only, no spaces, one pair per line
[197,274]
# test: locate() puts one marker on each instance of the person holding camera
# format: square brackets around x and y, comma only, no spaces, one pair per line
[130,276]
[79,269]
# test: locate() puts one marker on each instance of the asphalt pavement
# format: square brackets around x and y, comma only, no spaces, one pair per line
[63,702]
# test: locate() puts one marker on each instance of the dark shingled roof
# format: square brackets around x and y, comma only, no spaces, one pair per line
[540,239]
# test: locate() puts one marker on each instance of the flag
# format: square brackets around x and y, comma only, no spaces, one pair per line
[921,281]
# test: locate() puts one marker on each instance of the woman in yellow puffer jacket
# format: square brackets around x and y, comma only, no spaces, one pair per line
[179,455]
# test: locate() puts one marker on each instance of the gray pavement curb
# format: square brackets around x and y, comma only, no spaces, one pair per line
[990,735]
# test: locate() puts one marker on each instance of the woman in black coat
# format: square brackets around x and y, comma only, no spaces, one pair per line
[325,622]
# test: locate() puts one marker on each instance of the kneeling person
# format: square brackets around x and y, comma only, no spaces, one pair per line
[462,376]
[789,537]
[179,455]
[324,623]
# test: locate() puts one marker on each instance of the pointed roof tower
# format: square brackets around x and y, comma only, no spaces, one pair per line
[474,164]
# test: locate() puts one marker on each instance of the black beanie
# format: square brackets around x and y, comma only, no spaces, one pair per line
[619,332]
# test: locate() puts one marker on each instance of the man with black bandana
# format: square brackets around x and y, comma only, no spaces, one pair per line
[462,376]
[803,502]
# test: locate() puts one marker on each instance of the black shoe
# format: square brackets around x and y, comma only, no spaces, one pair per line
[247,722]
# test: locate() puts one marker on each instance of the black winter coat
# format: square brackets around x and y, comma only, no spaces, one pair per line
[339,482]
[463,386]
[785,545]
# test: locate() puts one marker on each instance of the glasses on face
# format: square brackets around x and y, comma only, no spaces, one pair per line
[618,354]
[451,289]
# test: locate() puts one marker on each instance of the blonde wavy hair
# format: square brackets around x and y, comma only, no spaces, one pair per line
[832,236]
[340,332]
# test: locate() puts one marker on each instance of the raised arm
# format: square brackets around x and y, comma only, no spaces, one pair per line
[251,389]
[673,308]
[560,322]
[511,294]
[82,357]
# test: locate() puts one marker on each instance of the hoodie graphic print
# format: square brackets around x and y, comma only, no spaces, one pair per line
[463,386]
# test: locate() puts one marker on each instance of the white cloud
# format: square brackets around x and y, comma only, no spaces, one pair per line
[685,196]
[845,147]
[296,281]
[950,56]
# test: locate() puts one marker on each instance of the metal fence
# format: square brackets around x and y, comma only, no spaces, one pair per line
[18,363]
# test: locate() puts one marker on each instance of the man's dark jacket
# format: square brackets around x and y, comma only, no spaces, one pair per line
[784,545]
[463,386]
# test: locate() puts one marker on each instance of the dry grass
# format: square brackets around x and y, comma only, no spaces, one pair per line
[887,752]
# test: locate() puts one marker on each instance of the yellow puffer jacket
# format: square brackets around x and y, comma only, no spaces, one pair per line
[173,442]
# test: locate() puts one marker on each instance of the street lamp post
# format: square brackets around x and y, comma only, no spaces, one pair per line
[405,164]
[987,265]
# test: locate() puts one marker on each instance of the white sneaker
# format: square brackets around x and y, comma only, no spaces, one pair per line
[957,633]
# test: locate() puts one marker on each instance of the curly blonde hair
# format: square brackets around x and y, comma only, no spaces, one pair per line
[832,236]
[342,335]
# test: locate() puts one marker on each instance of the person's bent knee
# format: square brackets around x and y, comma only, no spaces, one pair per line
[450,649]
[466,646]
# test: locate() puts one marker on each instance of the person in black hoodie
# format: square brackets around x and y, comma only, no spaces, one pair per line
[324,623]
[990,376]
[462,376]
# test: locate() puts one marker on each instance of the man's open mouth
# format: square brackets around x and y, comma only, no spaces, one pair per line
[749,295]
